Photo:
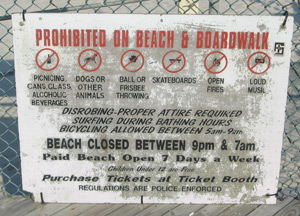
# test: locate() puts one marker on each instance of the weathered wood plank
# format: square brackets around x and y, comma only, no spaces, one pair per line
[2,198]
[292,209]
[184,210]
[102,209]
[96,210]
[75,209]
[9,202]
[48,209]
[238,210]
[209,210]
[267,210]
[160,209]
[21,208]
[130,209]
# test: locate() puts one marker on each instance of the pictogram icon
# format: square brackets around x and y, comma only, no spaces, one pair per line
[89,60]
[215,62]
[47,59]
[173,61]
[259,62]
[132,60]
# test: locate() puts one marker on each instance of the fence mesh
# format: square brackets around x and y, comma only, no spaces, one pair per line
[289,182]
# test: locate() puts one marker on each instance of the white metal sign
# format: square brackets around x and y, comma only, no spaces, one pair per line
[151,108]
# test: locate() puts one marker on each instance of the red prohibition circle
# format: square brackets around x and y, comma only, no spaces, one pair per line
[251,68]
[209,68]
[166,67]
[43,63]
[131,61]
[83,65]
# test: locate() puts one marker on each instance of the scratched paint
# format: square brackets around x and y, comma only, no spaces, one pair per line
[166,111]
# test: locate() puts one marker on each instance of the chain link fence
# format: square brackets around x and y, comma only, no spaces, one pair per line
[289,182]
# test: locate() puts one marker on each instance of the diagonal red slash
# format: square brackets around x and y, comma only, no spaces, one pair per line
[216,63]
[132,60]
[93,57]
[174,61]
[258,62]
[47,59]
